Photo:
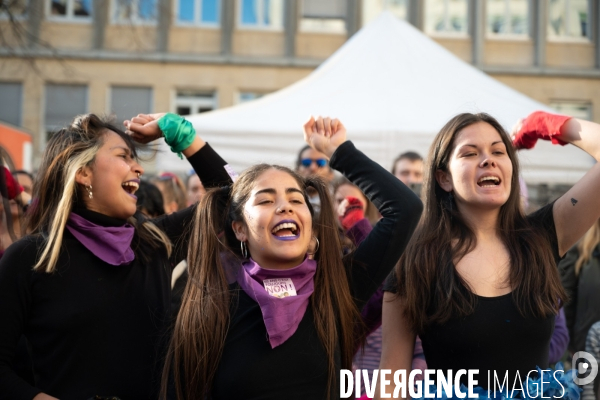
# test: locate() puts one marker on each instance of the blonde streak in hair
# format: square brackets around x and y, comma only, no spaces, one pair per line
[587,245]
[159,235]
[52,249]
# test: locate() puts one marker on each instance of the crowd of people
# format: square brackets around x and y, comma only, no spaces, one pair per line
[264,285]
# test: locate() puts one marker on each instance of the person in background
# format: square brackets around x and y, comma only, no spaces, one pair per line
[591,391]
[311,162]
[173,192]
[149,200]
[195,188]
[13,202]
[408,167]
[580,275]
[25,179]
[343,189]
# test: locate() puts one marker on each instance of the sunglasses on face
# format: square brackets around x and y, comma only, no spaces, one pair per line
[306,162]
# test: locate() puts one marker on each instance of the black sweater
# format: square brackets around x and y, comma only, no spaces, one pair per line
[94,328]
[297,369]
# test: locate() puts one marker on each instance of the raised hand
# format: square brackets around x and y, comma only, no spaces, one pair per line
[538,125]
[144,128]
[324,134]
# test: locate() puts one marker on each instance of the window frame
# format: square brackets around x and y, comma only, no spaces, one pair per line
[449,34]
[136,21]
[21,100]
[198,23]
[193,101]
[44,125]
[514,37]
[571,39]
[70,16]
[259,26]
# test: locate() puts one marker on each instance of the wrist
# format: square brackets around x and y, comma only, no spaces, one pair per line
[178,132]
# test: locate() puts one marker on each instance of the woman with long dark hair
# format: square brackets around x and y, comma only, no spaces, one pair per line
[89,287]
[285,325]
[479,282]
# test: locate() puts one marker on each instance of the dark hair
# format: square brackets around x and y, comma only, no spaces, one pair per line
[199,337]
[149,200]
[409,155]
[23,172]
[57,193]
[427,281]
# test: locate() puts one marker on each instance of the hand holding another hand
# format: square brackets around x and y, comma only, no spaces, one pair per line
[144,128]
[324,134]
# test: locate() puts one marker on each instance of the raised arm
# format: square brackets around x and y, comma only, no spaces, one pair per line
[180,135]
[400,207]
[576,211]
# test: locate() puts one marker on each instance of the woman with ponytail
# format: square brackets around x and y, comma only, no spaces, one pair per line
[479,281]
[284,324]
[89,287]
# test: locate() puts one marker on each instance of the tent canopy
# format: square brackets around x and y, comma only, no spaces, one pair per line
[393,88]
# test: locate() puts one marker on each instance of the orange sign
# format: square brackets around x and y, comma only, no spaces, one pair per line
[18,145]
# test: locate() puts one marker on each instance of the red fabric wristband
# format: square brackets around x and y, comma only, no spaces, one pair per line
[540,125]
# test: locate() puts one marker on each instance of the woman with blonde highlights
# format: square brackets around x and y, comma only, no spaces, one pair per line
[285,325]
[89,287]
[479,282]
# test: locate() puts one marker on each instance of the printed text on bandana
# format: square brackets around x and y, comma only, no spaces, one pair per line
[280,287]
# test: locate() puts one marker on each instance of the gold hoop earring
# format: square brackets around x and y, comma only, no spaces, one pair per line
[316,249]
[89,190]
[244,249]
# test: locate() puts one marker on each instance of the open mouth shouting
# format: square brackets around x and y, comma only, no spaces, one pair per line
[131,187]
[489,181]
[286,230]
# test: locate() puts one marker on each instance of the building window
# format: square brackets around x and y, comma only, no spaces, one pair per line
[11,102]
[569,19]
[187,102]
[507,18]
[63,103]
[74,10]
[576,109]
[372,8]
[447,17]
[127,102]
[262,14]
[136,11]
[199,12]
[13,9]
[323,16]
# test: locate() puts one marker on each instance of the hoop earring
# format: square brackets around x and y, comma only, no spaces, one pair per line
[317,249]
[89,190]
[244,249]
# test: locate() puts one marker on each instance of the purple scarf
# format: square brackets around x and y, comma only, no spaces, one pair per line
[111,244]
[281,294]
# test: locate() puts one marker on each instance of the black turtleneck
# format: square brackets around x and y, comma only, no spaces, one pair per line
[94,328]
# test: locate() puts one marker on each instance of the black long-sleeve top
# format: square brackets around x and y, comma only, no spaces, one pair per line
[298,369]
[94,328]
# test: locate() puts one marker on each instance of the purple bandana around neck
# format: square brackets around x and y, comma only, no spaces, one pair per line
[281,315]
[111,244]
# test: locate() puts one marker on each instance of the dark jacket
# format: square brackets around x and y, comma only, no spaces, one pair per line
[583,307]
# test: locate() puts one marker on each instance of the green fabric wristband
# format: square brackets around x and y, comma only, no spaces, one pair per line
[179,133]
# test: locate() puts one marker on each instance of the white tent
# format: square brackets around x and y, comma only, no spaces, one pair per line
[393,88]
